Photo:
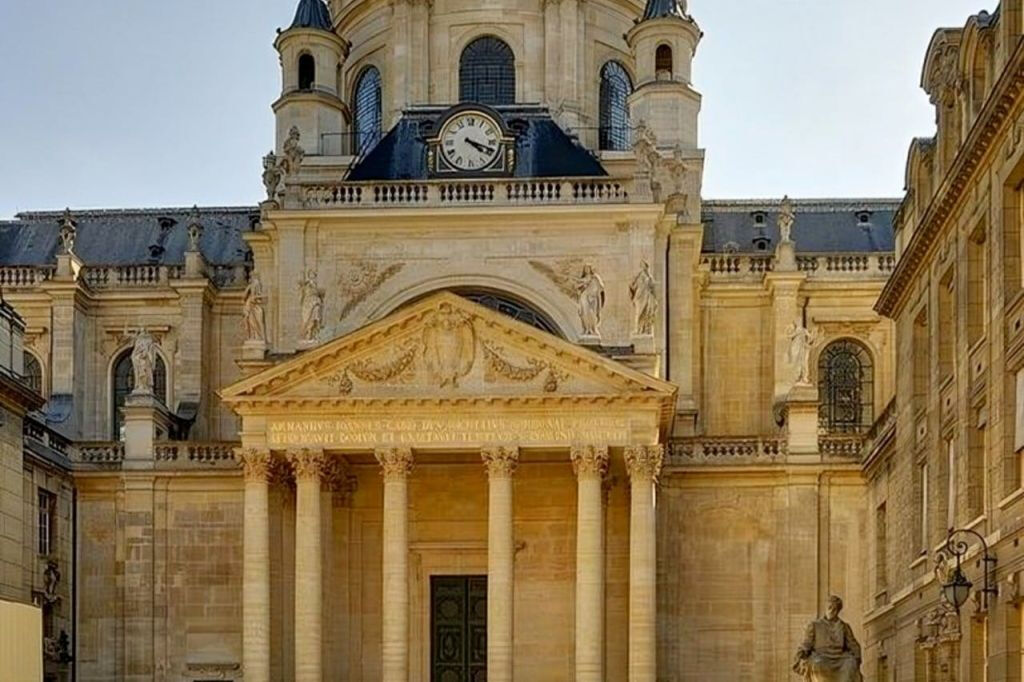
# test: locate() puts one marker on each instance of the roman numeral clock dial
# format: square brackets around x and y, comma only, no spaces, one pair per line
[472,143]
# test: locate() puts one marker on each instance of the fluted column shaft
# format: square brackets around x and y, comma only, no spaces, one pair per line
[256,465]
[591,464]
[396,463]
[643,464]
[310,468]
[501,464]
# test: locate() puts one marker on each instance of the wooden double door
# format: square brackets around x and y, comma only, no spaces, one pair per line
[458,628]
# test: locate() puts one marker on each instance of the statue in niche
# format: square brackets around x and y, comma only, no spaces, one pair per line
[143,362]
[645,301]
[830,652]
[312,307]
[252,310]
[591,301]
[800,342]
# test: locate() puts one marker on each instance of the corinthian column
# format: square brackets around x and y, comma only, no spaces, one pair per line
[643,463]
[591,464]
[256,466]
[310,468]
[396,463]
[501,464]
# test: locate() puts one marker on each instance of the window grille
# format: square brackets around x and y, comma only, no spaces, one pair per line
[33,373]
[367,110]
[123,381]
[845,384]
[615,90]
[512,308]
[487,72]
[47,511]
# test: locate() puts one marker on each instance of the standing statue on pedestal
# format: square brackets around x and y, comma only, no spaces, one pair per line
[787,216]
[645,301]
[799,356]
[143,362]
[591,301]
[252,310]
[312,308]
[830,652]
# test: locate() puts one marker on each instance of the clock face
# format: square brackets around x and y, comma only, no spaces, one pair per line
[471,141]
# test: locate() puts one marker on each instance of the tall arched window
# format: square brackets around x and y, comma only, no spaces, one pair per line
[123,382]
[846,388]
[367,110]
[307,72]
[663,59]
[33,373]
[615,90]
[487,72]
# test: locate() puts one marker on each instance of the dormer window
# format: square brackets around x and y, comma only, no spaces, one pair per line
[864,217]
[759,217]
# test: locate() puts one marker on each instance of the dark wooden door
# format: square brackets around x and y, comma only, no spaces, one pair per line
[458,628]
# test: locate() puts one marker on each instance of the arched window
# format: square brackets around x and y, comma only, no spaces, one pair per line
[307,72]
[123,382]
[487,72]
[615,90]
[33,373]
[512,307]
[663,60]
[845,386]
[367,110]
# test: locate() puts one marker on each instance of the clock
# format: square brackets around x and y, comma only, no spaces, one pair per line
[472,141]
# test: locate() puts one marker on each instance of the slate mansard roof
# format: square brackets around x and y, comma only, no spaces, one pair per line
[822,225]
[128,237]
[543,149]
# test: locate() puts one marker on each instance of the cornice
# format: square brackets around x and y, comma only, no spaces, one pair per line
[956,184]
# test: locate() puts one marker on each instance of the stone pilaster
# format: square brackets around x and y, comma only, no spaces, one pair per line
[396,464]
[590,463]
[643,463]
[501,463]
[257,468]
[310,468]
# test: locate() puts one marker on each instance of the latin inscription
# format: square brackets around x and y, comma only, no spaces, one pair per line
[467,431]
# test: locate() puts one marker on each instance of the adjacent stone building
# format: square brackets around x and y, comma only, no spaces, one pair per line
[483,386]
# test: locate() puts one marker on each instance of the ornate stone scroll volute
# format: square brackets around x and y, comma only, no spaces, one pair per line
[395,462]
[500,460]
[589,460]
[644,461]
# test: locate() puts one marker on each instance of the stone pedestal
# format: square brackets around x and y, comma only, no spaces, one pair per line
[785,257]
[254,350]
[801,410]
[195,265]
[145,421]
[68,266]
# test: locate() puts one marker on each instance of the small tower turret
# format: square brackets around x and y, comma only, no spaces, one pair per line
[311,58]
[663,42]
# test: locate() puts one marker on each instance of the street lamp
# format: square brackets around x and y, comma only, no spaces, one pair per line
[957,588]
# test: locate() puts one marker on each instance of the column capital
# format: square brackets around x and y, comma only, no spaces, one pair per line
[589,460]
[500,460]
[257,463]
[309,463]
[644,461]
[395,462]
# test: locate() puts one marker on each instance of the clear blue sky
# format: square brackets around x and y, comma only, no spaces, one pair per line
[138,103]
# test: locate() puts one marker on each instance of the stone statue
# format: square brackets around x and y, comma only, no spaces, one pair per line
[786,219]
[195,229]
[312,308]
[68,230]
[799,356]
[252,311]
[591,301]
[645,301]
[293,152]
[143,362]
[51,579]
[449,345]
[272,175]
[830,652]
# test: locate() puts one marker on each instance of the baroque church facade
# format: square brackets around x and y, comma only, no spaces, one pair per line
[483,388]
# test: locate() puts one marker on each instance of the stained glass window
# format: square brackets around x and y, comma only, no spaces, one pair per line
[33,373]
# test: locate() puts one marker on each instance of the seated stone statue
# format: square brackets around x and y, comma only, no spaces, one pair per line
[830,652]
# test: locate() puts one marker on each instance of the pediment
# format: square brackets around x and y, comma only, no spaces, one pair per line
[447,349]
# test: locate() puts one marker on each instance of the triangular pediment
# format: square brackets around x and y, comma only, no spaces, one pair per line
[446,348]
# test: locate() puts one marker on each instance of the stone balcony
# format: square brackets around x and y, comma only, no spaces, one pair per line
[740,267]
[104,277]
[190,455]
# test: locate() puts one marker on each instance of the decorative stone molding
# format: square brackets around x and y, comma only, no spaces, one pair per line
[500,460]
[1011,589]
[589,460]
[644,461]
[362,279]
[499,366]
[395,462]
[398,368]
[564,274]
[309,463]
[939,627]
[256,463]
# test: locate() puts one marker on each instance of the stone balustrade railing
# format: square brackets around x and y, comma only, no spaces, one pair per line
[725,266]
[726,451]
[456,193]
[842,446]
[124,276]
[104,452]
[24,276]
[206,453]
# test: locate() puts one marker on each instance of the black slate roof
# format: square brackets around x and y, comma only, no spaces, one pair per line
[128,237]
[822,225]
[312,14]
[656,9]
[543,149]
